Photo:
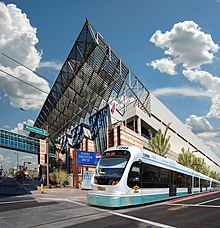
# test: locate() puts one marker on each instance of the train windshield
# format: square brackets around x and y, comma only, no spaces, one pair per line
[111,167]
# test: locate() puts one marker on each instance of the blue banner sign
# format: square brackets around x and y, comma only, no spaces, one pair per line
[88,158]
[98,127]
[77,135]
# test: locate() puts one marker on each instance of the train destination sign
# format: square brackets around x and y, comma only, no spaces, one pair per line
[35,129]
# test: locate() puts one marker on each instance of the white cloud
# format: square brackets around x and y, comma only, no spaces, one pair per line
[5,161]
[19,128]
[212,84]
[18,39]
[198,124]
[214,146]
[187,44]
[205,131]
[213,134]
[51,64]
[185,91]
[165,65]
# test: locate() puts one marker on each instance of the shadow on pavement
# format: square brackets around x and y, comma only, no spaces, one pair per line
[10,187]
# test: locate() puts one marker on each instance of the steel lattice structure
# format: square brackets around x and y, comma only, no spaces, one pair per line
[92,76]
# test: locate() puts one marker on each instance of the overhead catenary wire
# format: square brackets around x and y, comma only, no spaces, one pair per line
[21,64]
[29,84]
[23,81]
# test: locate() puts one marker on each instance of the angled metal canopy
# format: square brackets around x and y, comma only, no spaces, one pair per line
[92,76]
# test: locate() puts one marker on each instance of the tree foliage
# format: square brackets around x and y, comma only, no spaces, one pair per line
[188,159]
[159,143]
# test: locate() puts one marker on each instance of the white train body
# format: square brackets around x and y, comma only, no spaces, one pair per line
[129,175]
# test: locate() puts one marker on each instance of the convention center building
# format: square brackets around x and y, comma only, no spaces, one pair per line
[97,102]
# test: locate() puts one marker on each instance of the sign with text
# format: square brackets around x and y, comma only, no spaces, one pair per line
[34,129]
[88,158]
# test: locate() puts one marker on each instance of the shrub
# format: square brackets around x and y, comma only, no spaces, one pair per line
[58,177]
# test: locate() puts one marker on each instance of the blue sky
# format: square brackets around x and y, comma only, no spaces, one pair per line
[172,46]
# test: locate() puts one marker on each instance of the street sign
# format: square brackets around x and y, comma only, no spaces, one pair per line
[35,129]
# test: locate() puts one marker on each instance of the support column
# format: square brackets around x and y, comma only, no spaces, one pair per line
[139,125]
[75,169]
[47,154]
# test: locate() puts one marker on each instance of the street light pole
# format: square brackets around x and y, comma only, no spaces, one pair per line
[17,159]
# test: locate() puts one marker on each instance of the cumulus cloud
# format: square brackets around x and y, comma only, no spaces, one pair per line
[212,84]
[50,64]
[165,65]
[191,48]
[19,128]
[198,124]
[214,146]
[18,39]
[186,44]
[204,130]
[212,134]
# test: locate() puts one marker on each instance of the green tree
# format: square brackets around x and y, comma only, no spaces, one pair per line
[159,143]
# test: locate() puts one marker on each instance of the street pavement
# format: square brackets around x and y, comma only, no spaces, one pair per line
[23,205]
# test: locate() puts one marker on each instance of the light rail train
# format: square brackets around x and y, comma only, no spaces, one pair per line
[129,175]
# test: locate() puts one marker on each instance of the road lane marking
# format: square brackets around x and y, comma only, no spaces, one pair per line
[177,208]
[117,214]
[142,220]
[17,201]
[192,205]
[208,201]
[194,196]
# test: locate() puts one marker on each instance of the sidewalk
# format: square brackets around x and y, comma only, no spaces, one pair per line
[62,193]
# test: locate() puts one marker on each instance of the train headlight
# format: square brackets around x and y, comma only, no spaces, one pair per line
[95,180]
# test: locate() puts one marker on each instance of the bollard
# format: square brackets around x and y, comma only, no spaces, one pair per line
[42,188]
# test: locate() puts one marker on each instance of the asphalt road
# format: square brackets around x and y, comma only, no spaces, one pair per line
[22,205]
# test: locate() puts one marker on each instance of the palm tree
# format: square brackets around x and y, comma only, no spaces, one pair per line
[159,143]
[187,158]
[214,175]
[201,166]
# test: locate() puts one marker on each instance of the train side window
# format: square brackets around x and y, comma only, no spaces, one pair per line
[165,178]
[134,177]
[196,182]
[150,176]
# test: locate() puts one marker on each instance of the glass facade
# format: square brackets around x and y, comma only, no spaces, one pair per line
[19,142]
[15,141]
